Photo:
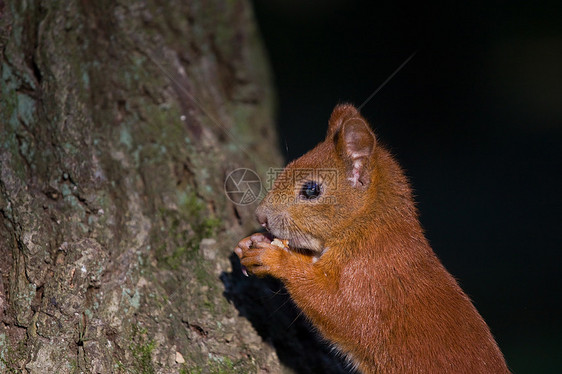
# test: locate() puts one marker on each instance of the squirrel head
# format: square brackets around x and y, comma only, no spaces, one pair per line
[324,191]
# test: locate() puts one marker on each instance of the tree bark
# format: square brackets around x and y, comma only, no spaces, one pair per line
[119,122]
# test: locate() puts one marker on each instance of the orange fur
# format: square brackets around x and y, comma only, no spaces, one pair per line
[359,265]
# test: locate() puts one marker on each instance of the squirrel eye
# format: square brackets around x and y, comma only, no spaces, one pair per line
[310,190]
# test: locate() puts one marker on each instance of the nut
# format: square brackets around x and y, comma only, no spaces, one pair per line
[281,243]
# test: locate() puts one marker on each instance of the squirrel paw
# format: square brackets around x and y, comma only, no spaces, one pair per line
[258,255]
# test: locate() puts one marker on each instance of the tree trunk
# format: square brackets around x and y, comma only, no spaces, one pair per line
[119,122]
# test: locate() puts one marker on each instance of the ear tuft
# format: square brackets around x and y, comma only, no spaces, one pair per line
[357,144]
[340,114]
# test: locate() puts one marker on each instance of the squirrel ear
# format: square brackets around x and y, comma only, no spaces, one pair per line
[356,142]
[340,114]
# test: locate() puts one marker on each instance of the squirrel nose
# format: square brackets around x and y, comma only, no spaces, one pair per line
[261,217]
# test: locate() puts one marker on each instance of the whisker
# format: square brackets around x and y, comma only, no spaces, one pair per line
[280,306]
[295,320]
[387,80]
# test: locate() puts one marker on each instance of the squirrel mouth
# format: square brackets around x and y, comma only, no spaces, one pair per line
[301,246]
[302,243]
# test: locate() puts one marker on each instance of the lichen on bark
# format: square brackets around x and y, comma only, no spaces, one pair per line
[119,122]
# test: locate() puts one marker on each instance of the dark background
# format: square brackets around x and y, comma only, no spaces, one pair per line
[475,119]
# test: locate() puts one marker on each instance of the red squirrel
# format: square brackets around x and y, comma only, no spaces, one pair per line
[355,260]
